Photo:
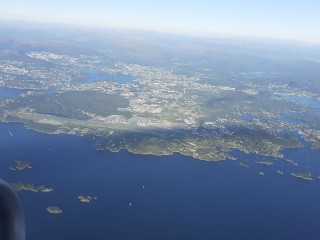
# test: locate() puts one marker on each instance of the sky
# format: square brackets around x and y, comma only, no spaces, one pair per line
[279,19]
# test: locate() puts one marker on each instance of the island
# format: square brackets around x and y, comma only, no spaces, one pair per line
[244,164]
[86,199]
[280,172]
[268,163]
[303,175]
[24,186]
[21,165]
[290,161]
[54,210]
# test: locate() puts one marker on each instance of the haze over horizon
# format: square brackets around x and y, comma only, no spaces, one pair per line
[295,20]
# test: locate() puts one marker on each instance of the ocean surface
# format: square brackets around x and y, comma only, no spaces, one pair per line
[172,197]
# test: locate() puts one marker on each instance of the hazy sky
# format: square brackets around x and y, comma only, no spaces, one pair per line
[291,19]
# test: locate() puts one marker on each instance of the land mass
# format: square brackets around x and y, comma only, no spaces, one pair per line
[54,210]
[24,186]
[86,199]
[21,165]
[183,103]
[305,176]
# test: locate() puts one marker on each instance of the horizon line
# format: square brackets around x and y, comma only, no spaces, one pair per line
[197,34]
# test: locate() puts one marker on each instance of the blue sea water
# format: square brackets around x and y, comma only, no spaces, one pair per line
[92,76]
[6,92]
[248,117]
[290,119]
[10,92]
[310,102]
[183,198]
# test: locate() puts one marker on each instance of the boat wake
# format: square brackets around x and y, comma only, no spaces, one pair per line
[10,132]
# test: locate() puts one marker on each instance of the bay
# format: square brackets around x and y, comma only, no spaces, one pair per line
[172,197]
